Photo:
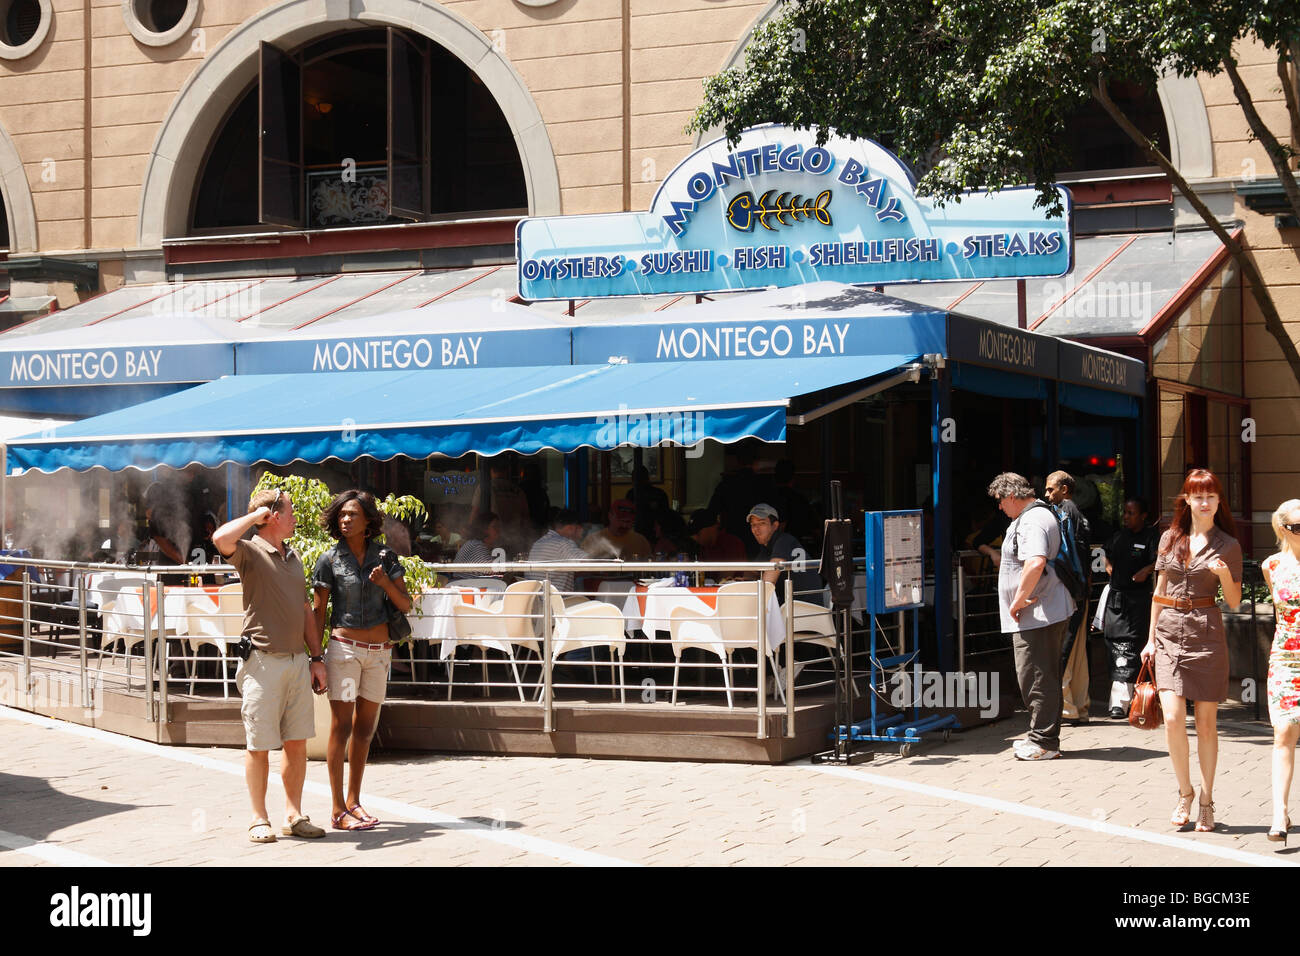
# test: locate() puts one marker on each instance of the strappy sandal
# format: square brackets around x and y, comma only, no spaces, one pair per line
[358,811]
[1183,810]
[1205,820]
[348,820]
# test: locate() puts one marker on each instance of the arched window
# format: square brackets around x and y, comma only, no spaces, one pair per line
[363,127]
[1097,145]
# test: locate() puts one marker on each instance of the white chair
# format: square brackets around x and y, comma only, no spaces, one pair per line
[220,629]
[690,628]
[123,623]
[508,624]
[115,631]
[589,624]
[813,624]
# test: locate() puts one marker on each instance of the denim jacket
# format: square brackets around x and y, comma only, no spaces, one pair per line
[357,601]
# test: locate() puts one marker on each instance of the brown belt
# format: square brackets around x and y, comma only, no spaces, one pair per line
[369,647]
[1182,603]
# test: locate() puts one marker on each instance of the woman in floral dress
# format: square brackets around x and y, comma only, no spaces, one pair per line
[1282,572]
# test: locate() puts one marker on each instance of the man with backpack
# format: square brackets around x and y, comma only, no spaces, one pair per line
[1059,492]
[1035,609]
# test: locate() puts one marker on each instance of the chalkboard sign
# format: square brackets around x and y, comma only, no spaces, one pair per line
[837,561]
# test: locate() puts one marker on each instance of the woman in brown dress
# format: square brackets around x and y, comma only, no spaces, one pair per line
[1198,555]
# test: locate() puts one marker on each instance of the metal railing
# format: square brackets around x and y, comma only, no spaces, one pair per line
[979,623]
[85,623]
[94,623]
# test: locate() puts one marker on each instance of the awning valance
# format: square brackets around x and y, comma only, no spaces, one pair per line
[348,415]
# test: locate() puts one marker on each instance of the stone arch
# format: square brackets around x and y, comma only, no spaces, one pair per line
[1190,148]
[197,112]
[16,194]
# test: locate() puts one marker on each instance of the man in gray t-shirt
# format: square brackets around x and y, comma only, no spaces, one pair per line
[1035,609]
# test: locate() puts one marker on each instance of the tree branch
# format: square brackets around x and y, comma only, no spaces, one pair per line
[1291,55]
[1277,153]
[1272,320]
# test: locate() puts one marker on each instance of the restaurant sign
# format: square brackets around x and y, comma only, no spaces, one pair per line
[495,349]
[115,365]
[778,209]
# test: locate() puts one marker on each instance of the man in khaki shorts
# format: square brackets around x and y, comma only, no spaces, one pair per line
[277,680]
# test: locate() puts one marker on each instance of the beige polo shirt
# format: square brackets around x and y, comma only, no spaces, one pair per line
[275,595]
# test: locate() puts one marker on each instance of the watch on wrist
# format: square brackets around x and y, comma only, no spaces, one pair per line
[317,658]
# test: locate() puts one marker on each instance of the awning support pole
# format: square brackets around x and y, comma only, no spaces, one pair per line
[941,435]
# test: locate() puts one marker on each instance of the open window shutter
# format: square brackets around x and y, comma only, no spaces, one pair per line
[280,192]
[408,135]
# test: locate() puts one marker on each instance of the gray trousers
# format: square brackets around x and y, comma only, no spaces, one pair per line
[1038,671]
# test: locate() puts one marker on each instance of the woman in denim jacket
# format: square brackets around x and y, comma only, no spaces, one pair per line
[357,575]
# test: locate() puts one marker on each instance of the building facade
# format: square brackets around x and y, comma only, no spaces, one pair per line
[145,141]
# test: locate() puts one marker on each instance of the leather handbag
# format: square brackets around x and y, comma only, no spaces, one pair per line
[399,628]
[1145,712]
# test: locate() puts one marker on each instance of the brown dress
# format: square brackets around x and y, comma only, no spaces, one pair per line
[1191,646]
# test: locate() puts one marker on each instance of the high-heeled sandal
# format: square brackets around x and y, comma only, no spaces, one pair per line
[1183,810]
[1279,836]
[1205,819]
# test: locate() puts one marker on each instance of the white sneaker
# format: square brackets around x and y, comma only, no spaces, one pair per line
[1028,750]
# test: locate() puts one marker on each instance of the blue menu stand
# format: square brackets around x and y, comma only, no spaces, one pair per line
[895,583]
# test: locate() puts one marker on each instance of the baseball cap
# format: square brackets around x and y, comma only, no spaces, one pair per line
[763,511]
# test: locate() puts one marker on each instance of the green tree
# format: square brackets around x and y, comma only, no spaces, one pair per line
[982,91]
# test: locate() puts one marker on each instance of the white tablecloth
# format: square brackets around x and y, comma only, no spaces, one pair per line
[181,604]
[436,620]
[660,601]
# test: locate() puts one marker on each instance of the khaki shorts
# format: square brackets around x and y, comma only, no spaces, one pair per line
[357,672]
[276,691]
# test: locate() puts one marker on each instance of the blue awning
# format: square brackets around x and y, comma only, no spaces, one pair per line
[348,415]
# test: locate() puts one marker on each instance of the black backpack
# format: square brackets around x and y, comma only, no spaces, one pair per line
[1067,563]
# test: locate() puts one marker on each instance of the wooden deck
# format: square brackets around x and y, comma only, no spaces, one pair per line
[701,728]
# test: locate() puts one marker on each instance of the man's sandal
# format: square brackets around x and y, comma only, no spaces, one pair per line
[302,827]
[359,811]
[349,820]
[261,832]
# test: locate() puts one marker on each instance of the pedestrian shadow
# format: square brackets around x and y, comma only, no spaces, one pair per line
[402,833]
[34,809]
[1115,754]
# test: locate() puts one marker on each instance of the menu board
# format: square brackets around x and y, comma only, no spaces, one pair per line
[904,572]
[895,551]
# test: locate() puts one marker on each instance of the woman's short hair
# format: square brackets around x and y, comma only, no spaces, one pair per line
[1279,517]
[329,520]
[1010,485]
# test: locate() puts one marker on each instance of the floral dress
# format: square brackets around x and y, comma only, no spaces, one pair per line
[1284,658]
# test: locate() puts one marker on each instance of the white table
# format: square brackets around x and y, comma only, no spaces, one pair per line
[661,600]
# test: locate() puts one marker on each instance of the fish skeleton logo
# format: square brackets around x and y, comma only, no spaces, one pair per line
[742,213]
